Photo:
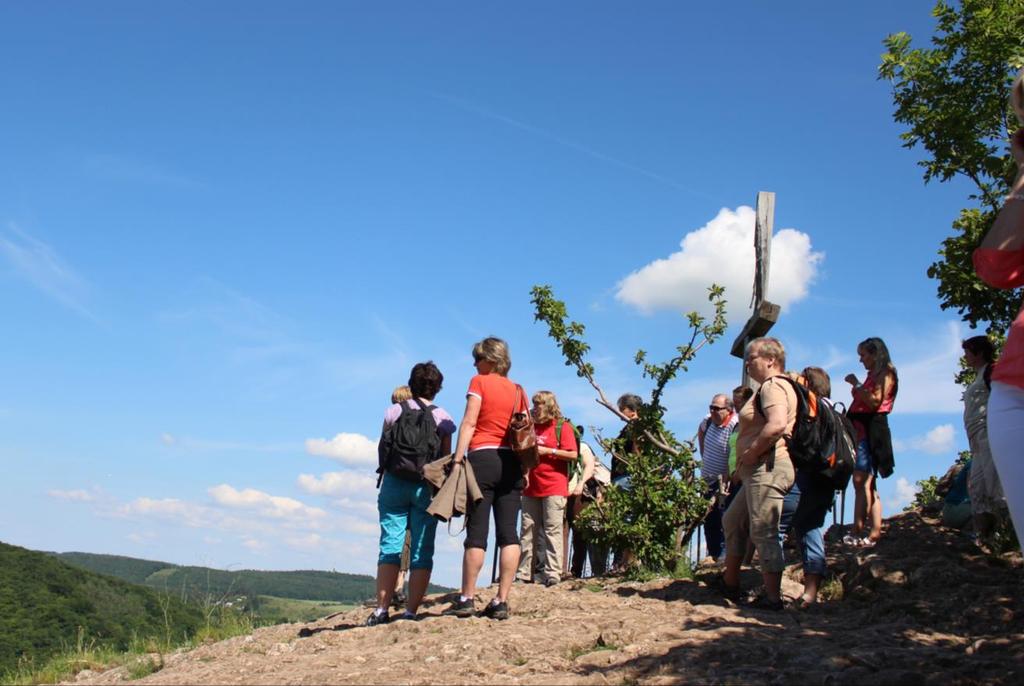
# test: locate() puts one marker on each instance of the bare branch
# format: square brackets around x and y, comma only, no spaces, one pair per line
[658,442]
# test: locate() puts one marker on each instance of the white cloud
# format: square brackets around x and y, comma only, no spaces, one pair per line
[351,449]
[272,506]
[722,252]
[172,509]
[904,495]
[926,381]
[339,484]
[254,544]
[168,439]
[935,442]
[365,508]
[40,265]
[76,495]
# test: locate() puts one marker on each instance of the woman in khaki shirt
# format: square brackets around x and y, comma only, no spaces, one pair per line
[766,471]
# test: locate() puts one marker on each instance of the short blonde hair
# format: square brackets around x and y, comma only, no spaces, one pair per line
[401,394]
[769,347]
[545,407]
[495,351]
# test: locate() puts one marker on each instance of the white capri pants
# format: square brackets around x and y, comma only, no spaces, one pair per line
[1006,438]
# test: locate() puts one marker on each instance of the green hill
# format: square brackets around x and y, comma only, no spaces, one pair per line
[45,603]
[204,582]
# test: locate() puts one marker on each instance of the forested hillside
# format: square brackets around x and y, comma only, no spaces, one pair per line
[45,603]
[204,582]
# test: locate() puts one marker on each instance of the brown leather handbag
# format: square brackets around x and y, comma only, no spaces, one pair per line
[521,436]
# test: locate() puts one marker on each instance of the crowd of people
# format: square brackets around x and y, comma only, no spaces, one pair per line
[756,495]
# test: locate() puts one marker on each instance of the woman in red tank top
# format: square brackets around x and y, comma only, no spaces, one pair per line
[872,402]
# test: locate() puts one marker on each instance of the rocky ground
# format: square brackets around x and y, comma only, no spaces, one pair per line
[923,607]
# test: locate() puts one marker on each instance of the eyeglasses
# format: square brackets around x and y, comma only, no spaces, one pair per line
[715,408]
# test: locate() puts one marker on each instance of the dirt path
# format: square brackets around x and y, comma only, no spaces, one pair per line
[923,607]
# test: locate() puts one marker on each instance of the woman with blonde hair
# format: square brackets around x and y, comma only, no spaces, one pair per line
[872,402]
[547,490]
[483,440]
[767,473]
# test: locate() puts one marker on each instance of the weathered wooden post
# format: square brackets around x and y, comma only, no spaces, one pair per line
[765,313]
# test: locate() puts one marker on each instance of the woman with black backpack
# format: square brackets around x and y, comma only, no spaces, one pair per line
[404,495]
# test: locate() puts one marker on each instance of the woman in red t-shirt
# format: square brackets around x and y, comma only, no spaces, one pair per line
[483,441]
[545,495]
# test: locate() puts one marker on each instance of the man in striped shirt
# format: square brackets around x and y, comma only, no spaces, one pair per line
[713,437]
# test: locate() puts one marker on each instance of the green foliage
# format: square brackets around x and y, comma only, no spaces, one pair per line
[665,495]
[144,666]
[926,498]
[202,583]
[45,602]
[954,99]
[931,492]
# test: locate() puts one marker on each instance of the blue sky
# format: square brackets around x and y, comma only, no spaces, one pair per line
[227,231]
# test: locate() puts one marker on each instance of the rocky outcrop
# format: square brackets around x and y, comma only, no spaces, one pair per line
[922,607]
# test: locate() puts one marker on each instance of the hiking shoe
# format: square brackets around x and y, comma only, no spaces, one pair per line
[551,581]
[762,602]
[728,592]
[374,619]
[461,608]
[408,616]
[496,611]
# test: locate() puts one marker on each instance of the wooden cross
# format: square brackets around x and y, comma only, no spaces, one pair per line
[765,313]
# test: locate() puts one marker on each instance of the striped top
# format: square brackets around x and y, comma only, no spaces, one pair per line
[715,456]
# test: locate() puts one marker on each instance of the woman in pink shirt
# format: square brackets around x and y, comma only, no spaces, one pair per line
[999,262]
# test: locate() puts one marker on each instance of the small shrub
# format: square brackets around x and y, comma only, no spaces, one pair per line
[144,666]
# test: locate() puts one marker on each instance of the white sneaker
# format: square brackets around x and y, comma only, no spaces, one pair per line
[850,539]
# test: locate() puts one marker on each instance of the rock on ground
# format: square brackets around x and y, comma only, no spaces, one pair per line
[922,607]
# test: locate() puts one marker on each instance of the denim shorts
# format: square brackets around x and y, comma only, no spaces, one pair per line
[862,462]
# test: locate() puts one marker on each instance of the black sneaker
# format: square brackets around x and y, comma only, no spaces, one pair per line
[375,619]
[763,602]
[408,616]
[496,611]
[461,608]
[731,593]
[551,581]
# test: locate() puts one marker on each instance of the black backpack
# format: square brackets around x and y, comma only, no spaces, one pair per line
[823,440]
[409,443]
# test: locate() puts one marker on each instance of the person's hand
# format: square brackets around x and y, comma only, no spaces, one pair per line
[851,379]
[578,490]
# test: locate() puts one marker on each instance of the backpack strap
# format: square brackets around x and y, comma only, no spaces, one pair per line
[422,406]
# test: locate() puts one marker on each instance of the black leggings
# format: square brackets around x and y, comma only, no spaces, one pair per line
[500,477]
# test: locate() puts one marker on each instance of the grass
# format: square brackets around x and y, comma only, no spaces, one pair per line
[831,589]
[144,666]
[598,645]
[292,610]
[142,657]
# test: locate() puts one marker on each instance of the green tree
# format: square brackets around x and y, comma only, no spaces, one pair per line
[665,494]
[954,99]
